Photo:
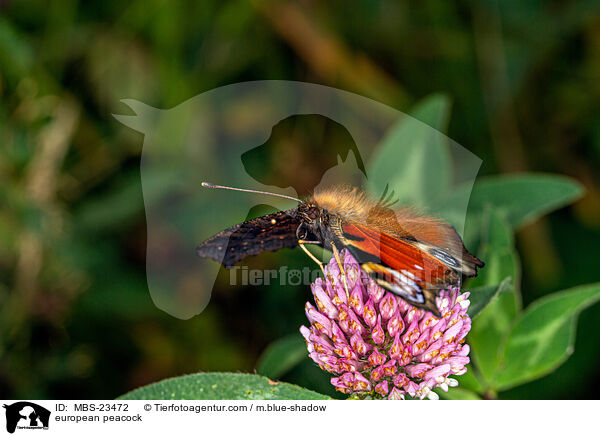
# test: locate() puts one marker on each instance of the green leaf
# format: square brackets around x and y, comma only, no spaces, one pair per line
[433,110]
[470,381]
[498,252]
[480,297]
[458,394]
[413,159]
[523,197]
[281,356]
[222,386]
[494,322]
[544,336]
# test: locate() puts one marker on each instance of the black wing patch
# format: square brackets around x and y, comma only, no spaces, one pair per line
[266,233]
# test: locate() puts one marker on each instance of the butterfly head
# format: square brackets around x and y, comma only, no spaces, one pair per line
[312,220]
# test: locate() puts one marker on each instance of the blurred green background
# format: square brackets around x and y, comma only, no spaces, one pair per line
[76,319]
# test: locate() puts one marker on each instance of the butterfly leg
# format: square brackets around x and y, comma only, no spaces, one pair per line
[312,256]
[341,267]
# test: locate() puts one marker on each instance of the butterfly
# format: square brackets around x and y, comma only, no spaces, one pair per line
[409,254]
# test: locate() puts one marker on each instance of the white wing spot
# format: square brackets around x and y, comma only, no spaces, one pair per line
[408,274]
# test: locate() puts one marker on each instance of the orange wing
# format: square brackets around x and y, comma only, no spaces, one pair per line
[405,267]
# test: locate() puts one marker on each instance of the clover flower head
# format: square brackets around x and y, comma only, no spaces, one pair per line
[377,345]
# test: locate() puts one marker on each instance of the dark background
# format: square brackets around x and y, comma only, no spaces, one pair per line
[76,318]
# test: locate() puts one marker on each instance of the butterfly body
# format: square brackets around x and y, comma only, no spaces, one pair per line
[409,254]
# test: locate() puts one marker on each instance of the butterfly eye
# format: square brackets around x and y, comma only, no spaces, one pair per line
[301,231]
[313,213]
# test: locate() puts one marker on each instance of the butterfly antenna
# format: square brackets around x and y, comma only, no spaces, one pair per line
[210,185]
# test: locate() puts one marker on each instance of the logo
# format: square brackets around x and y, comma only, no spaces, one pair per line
[26,415]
